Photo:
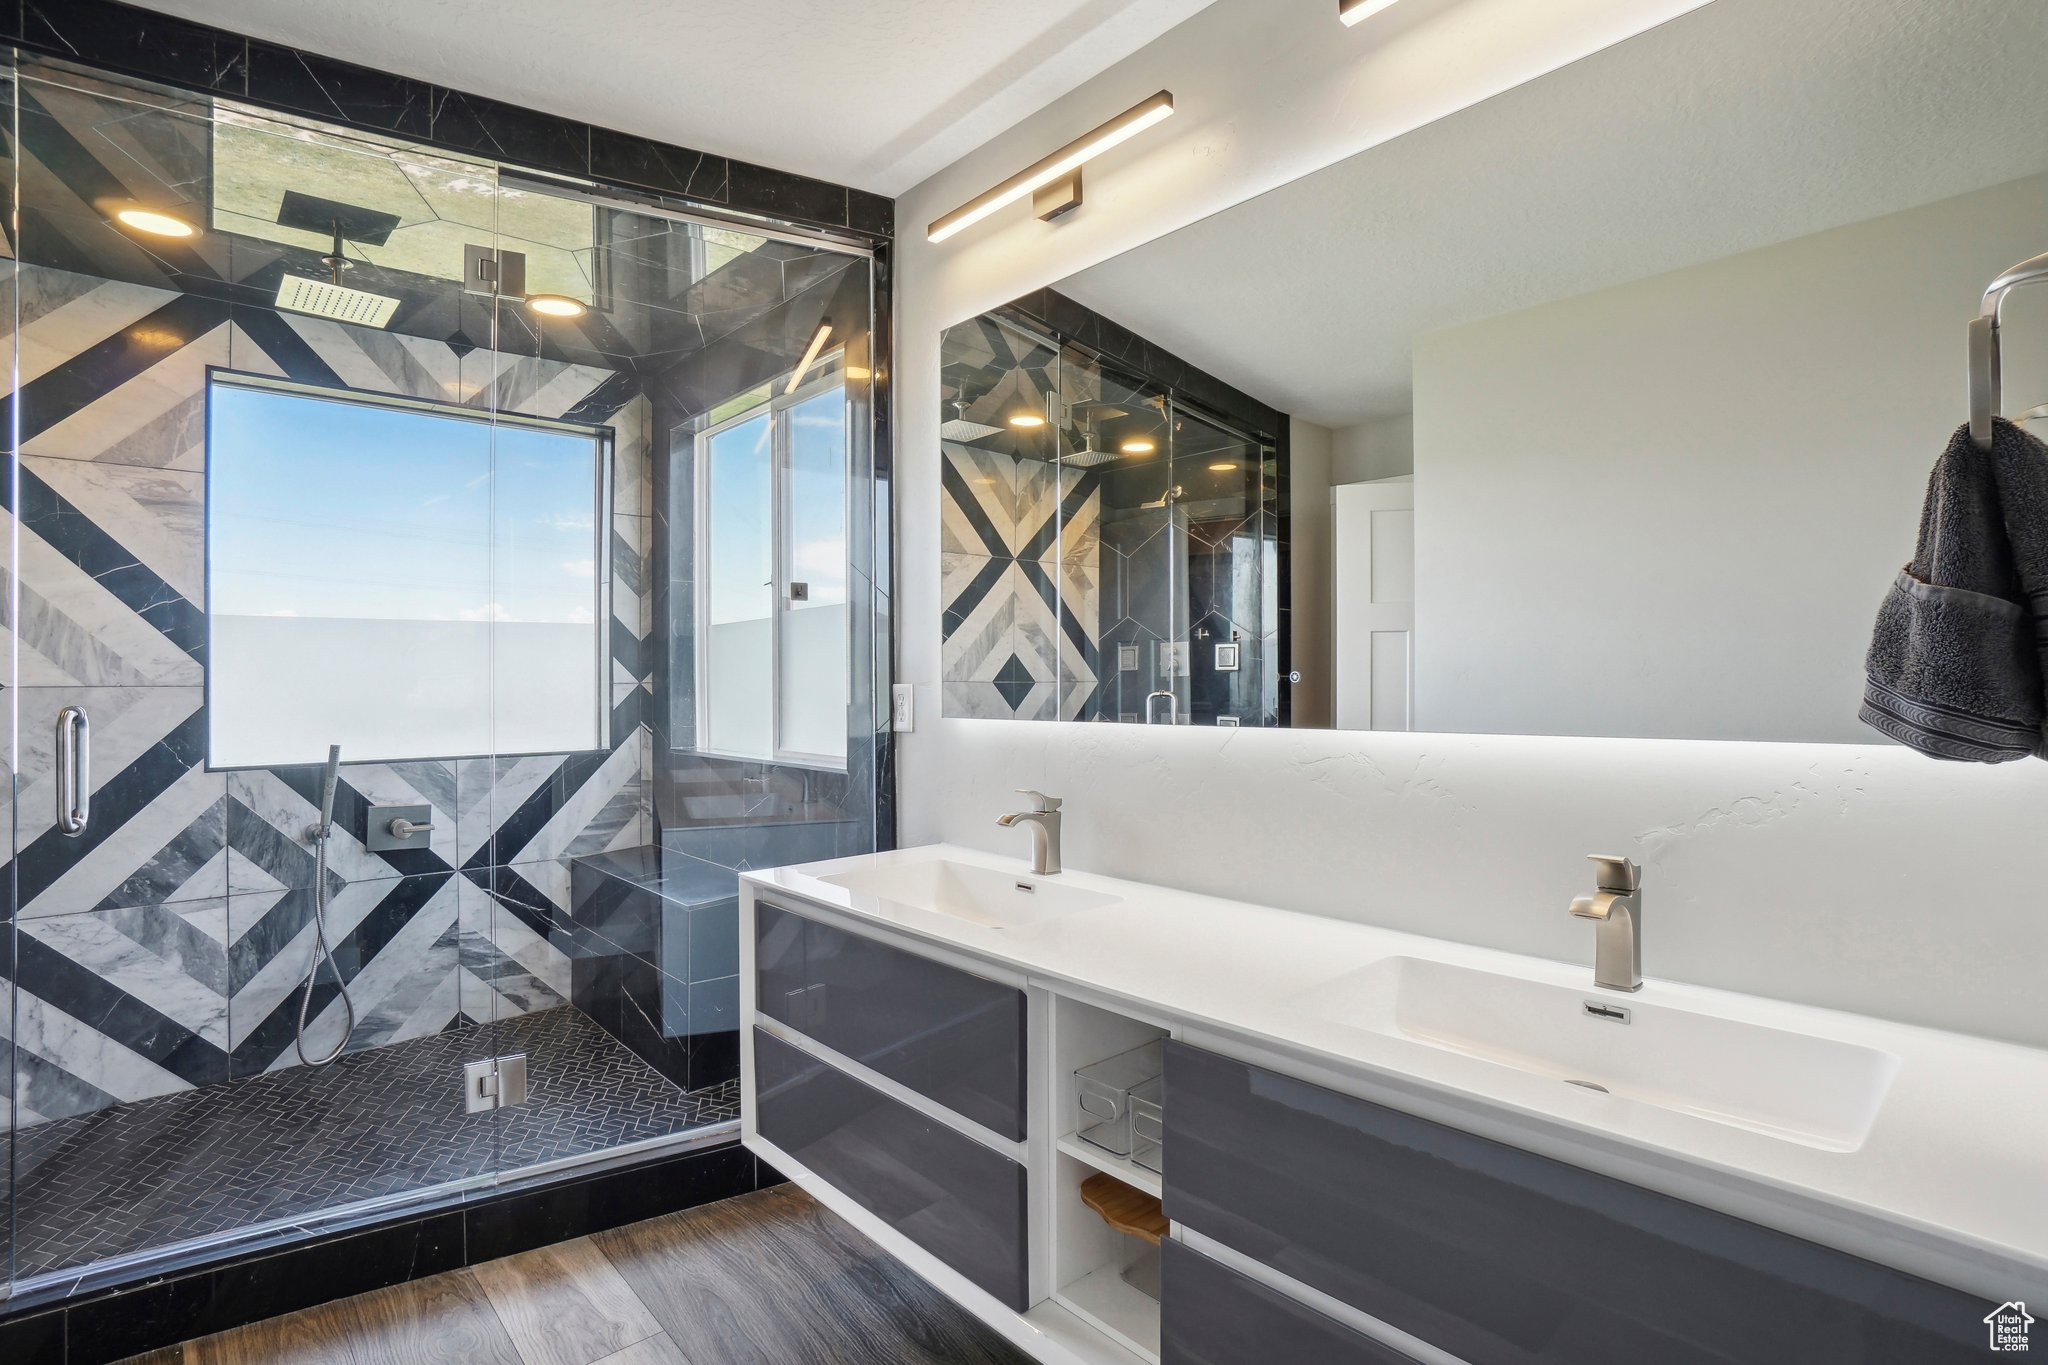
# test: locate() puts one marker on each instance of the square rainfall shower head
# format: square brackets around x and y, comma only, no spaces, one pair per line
[1087,457]
[311,213]
[960,429]
[336,301]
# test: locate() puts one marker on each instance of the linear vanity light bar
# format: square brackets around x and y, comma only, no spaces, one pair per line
[1358,11]
[810,357]
[1065,162]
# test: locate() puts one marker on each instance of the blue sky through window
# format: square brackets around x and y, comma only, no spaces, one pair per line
[740,569]
[321,508]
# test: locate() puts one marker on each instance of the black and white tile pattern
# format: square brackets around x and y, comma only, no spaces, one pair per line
[159,957]
[231,1158]
[1075,587]
[163,950]
[1019,538]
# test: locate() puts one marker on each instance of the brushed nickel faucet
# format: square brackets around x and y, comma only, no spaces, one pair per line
[1044,819]
[1616,907]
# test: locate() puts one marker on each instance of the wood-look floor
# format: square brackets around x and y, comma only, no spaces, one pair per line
[765,1279]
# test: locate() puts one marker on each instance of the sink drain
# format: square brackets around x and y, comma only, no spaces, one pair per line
[1587,1085]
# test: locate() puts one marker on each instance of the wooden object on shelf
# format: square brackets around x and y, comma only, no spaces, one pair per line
[1126,1209]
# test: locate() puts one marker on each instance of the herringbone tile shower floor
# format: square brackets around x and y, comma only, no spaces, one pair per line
[296,1142]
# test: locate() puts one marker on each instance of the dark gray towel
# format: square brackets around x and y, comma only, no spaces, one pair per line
[1961,647]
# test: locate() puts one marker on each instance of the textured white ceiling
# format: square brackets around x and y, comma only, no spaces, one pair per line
[878,94]
[1741,124]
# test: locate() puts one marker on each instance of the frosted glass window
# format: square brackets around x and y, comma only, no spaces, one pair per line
[406,580]
[773,679]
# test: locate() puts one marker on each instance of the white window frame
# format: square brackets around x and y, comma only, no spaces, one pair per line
[777,407]
[605,442]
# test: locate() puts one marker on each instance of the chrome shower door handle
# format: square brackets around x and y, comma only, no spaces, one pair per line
[74,770]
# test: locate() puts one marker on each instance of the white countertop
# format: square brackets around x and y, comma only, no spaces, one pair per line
[1950,1183]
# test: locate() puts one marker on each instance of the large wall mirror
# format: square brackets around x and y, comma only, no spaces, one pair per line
[1604,407]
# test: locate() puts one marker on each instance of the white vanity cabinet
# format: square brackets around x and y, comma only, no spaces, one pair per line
[912,1066]
[897,1079]
[927,1098]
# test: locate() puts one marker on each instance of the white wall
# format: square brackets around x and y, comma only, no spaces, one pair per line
[1861,877]
[1308,495]
[1381,449]
[1669,508]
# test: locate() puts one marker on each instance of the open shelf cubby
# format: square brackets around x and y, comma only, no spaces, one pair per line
[1090,1257]
[1123,1168]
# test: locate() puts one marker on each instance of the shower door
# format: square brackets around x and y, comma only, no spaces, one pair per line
[331,439]
[1229,509]
[9,614]
[1167,591]
[262,412]
[1123,546]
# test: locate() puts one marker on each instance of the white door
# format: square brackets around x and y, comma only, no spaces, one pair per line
[1372,553]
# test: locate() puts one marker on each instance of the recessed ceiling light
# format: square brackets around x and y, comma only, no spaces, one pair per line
[1358,11]
[1223,466]
[1025,421]
[1138,445]
[555,305]
[155,223]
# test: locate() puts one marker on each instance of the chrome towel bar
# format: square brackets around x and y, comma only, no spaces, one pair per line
[1986,383]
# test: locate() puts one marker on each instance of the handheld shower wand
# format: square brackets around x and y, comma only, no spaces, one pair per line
[319,834]
[329,779]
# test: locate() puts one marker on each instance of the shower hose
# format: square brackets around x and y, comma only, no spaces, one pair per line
[321,950]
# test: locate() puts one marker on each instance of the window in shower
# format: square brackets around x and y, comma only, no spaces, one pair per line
[408,579]
[772,662]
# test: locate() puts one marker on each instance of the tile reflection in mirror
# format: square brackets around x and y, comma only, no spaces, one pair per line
[1539,421]
[1139,520]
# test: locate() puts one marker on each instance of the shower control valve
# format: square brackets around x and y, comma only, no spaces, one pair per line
[392,828]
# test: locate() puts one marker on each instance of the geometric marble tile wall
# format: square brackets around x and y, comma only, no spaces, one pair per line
[163,949]
[1020,548]
[1080,591]
[1020,578]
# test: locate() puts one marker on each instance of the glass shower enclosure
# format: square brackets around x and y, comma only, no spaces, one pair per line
[319,438]
[1112,549]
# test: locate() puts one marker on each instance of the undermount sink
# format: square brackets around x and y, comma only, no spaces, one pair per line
[1815,1091]
[979,895]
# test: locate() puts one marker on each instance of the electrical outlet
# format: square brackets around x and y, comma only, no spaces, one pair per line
[902,715]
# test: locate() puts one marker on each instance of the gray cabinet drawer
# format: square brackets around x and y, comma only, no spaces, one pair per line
[959,1200]
[1502,1257]
[1211,1315]
[949,1035]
